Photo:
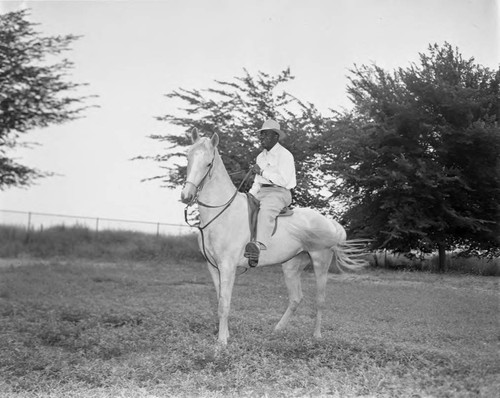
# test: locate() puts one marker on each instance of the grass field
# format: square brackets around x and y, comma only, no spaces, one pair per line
[84,328]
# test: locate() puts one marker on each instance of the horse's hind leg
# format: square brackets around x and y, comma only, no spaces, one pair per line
[321,262]
[291,270]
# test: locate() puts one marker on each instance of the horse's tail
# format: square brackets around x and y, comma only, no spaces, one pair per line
[351,254]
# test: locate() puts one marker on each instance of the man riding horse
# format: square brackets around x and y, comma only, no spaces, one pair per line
[305,237]
[275,177]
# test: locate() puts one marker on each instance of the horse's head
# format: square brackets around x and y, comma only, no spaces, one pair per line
[201,157]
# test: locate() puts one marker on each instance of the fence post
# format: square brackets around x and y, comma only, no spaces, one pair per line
[96,226]
[28,227]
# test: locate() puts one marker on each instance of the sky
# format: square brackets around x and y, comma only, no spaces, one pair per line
[132,53]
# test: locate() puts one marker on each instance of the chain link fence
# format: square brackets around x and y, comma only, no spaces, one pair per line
[39,221]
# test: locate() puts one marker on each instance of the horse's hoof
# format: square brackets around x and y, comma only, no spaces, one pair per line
[220,346]
[277,329]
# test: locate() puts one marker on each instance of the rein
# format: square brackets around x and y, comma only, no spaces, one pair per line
[224,206]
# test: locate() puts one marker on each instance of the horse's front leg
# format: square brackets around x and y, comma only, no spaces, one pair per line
[214,273]
[226,282]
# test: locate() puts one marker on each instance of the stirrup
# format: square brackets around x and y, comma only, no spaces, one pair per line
[252,252]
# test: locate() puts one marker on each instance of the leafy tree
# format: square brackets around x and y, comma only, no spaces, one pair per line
[236,110]
[419,155]
[414,165]
[33,92]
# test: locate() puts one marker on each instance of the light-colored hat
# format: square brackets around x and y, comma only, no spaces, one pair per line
[271,124]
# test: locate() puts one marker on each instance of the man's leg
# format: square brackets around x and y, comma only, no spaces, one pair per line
[270,206]
[271,203]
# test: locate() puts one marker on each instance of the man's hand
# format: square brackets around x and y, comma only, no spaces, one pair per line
[256,169]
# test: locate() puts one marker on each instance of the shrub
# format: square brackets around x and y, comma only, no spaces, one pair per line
[467,265]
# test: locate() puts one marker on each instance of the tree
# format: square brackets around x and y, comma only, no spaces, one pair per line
[33,92]
[402,165]
[236,110]
[418,156]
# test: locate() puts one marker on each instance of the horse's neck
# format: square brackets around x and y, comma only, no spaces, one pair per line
[218,189]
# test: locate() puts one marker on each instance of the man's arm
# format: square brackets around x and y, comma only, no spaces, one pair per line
[256,182]
[255,187]
[283,172]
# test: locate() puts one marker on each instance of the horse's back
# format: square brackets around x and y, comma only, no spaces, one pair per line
[312,228]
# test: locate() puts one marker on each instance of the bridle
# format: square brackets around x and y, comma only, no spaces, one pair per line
[196,199]
[199,187]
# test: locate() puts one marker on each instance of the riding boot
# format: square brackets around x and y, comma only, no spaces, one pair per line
[252,252]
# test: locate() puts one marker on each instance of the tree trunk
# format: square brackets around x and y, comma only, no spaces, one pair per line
[441,257]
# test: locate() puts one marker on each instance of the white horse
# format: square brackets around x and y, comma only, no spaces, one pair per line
[305,237]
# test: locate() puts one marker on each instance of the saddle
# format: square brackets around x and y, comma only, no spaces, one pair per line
[253,211]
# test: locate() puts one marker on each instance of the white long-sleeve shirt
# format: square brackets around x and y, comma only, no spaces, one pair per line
[278,168]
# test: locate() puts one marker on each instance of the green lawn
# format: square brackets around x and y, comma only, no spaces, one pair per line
[87,329]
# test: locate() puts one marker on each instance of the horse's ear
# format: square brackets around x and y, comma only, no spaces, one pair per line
[194,135]
[215,140]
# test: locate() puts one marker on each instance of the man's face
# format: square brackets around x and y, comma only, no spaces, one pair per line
[268,138]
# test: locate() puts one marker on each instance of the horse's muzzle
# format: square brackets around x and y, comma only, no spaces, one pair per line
[187,193]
